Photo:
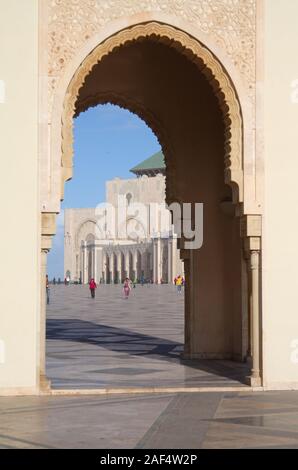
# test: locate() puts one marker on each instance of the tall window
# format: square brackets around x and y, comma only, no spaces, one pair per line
[128,198]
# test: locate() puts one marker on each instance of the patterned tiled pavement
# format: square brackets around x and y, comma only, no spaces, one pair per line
[151,421]
[113,342]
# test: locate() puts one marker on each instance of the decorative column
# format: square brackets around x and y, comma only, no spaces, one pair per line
[82,263]
[248,307]
[85,260]
[154,260]
[187,352]
[92,261]
[95,264]
[174,258]
[44,383]
[77,271]
[111,266]
[170,261]
[158,260]
[134,264]
[255,268]
[144,270]
[251,228]
[151,265]
[48,229]
[104,267]
[126,264]
[119,268]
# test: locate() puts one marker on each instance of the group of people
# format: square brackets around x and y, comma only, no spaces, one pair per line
[126,287]
[179,281]
[66,281]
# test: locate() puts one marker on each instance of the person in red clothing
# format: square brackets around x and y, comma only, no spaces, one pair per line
[92,287]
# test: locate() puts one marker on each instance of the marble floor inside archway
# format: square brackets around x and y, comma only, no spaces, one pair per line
[110,342]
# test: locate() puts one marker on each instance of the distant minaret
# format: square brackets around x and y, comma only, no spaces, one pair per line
[152,166]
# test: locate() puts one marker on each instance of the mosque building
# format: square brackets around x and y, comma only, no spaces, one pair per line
[131,235]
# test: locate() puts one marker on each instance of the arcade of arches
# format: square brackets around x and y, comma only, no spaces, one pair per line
[195,114]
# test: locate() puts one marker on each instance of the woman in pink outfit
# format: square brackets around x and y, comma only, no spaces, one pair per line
[126,287]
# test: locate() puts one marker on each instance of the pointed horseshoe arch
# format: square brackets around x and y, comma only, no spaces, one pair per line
[207,63]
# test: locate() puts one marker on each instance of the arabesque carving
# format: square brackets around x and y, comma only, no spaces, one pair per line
[230,24]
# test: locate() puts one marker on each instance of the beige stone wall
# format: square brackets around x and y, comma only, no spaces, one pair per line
[280,228]
[20,232]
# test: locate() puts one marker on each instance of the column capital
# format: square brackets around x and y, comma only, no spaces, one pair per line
[251,226]
[252,244]
[48,223]
[254,259]
[48,230]
[46,243]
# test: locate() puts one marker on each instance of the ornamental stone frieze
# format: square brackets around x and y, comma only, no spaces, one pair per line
[229,23]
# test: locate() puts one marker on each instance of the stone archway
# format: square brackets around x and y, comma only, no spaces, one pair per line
[85,233]
[224,96]
[208,65]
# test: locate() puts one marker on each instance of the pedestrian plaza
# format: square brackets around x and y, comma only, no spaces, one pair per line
[96,346]
[110,342]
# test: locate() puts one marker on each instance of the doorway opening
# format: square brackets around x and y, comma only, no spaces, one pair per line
[184,95]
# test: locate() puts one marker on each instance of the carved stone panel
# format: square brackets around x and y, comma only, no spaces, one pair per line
[230,24]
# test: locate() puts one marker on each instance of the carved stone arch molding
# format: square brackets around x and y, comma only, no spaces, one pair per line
[87,226]
[207,63]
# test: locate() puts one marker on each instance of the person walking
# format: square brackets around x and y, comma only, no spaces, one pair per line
[48,289]
[92,287]
[126,287]
[179,281]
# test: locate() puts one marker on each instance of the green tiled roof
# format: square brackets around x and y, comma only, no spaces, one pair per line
[155,162]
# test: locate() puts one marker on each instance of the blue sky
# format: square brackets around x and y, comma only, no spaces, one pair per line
[108,141]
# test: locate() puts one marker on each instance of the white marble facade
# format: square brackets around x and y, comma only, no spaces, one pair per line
[146,250]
